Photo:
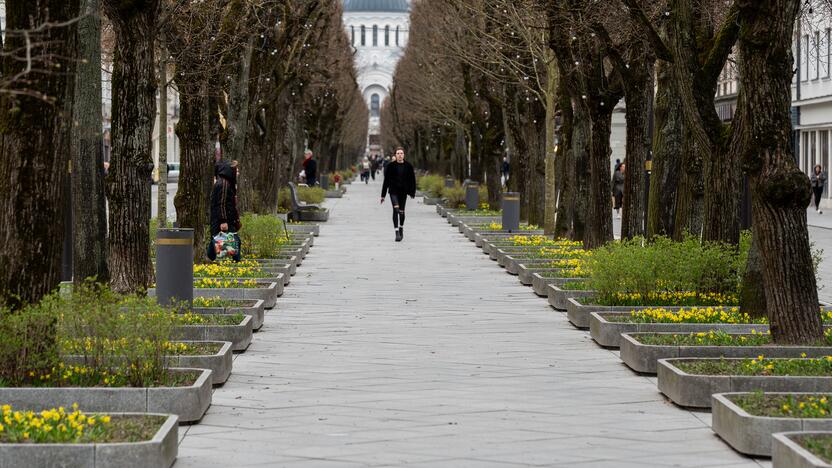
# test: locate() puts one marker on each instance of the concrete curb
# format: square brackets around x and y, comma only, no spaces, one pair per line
[608,333]
[563,300]
[239,335]
[541,283]
[257,312]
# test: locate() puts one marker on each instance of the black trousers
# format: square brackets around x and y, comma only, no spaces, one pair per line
[818,195]
[399,202]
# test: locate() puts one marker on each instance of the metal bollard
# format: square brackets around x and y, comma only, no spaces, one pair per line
[175,266]
[449,182]
[472,196]
[325,181]
[511,211]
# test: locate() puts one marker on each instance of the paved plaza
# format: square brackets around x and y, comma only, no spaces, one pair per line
[426,353]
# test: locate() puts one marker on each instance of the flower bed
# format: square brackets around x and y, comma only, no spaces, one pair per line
[559,297]
[228,270]
[746,421]
[57,437]
[526,271]
[184,392]
[237,329]
[691,382]
[217,305]
[802,450]
[579,310]
[542,278]
[265,290]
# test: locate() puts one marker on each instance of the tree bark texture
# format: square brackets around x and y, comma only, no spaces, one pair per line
[197,162]
[638,89]
[35,135]
[89,203]
[780,191]
[667,156]
[550,195]
[162,196]
[599,221]
[691,192]
[134,112]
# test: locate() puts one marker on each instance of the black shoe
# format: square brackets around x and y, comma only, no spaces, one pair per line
[399,235]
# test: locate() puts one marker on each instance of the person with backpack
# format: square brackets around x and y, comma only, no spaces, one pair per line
[225,219]
[400,181]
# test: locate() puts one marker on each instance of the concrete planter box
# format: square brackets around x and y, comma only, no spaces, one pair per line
[456,218]
[275,269]
[751,435]
[579,312]
[317,216]
[256,311]
[439,208]
[333,194]
[268,294]
[695,390]
[607,332]
[158,452]
[239,335]
[313,229]
[524,267]
[643,358]
[480,238]
[188,402]
[219,363]
[541,283]
[562,299]
[786,453]
[526,271]
[292,260]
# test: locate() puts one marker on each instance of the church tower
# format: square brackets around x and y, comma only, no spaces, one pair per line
[378,31]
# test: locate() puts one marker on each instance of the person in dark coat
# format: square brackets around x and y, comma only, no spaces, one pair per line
[400,181]
[618,189]
[310,168]
[818,180]
[224,214]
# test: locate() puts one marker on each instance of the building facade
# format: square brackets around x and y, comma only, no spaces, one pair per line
[378,31]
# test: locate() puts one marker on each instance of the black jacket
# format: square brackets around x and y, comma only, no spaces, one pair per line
[310,166]
[224,199]
[400,182]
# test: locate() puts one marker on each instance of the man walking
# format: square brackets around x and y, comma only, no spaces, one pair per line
[400,180]
[310,168]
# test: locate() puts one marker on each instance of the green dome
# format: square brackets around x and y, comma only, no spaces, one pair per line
[376,5]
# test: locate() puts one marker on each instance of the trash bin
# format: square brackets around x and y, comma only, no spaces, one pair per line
[175,266]
[472,196]
[511,211]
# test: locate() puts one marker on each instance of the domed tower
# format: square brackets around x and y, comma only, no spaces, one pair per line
[378,31]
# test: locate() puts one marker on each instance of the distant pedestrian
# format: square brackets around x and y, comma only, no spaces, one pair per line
[374,164]
[618,189]
[505,168]
[818,183]
[617,164]
[225,219]
[310,168]
[400,180]
[365,171]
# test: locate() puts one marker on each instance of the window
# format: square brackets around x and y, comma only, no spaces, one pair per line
[375,105]
[804,58]
[375,36]
[397,36]
[828,52]
[387,36]
[363,36]
[817,57]
[352,35]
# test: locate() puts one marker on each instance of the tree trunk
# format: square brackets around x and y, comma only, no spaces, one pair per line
[780,191]
[565,178]
[667,156]
[550,197]
[89,204]
[134,111]
[581,149]
[162,202]
[197,159]
[599,221]
[35,135]
[689,202]
[639,94]
[238,106]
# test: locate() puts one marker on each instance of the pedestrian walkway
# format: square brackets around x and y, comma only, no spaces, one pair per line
[426,353]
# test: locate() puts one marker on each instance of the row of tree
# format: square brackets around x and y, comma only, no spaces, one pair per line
[260,79]
[540,80]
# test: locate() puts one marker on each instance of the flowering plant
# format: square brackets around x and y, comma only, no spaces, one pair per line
[52,426]
[214,283]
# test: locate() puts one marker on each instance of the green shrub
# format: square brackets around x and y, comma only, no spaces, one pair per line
[455,196]
[28,342]
[431,185]
[262,236]
[313,195]
[635,266]
[137,327]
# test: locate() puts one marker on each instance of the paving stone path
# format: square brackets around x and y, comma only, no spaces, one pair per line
[426,353]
